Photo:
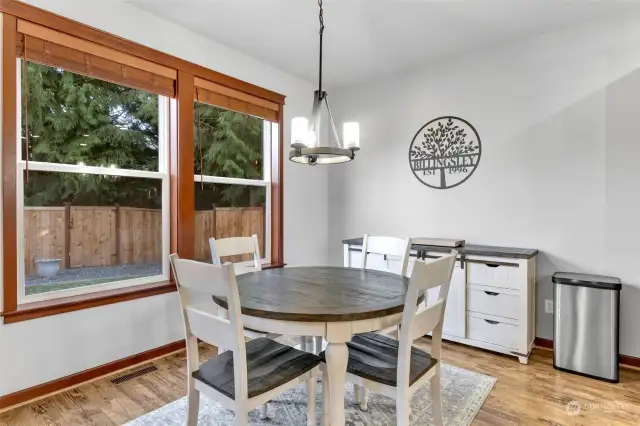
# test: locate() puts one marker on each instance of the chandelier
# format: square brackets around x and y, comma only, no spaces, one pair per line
[306,147]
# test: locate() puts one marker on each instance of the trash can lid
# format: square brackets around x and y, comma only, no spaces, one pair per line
[587,280]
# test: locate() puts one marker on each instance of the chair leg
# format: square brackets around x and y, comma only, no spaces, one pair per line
[317,350]
[193,402]
[311,398]
[303,343]
[263,412]
[436,397]
[242,417]
[357,391]
[365,399]
[403,411]
[326,397]
[224,314]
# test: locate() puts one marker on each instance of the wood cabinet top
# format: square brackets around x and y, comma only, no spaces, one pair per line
[320,294]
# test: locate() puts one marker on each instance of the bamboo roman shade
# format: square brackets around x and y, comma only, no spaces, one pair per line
[56,49]
[235,100]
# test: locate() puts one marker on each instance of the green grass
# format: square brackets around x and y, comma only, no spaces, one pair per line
[46,288]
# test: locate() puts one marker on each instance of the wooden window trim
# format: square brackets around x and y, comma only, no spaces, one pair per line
[182,160]
[68,26]
[180,154]
[45,308]
[55,55]
[236,103]
[277,197]
[237,94]
[9,165]
[76,43]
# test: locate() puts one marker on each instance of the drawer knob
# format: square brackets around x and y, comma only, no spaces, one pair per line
[492,265]
[492,322]
[491,293]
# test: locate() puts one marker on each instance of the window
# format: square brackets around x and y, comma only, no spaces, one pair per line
[100,189]
[232,181]
[93,195]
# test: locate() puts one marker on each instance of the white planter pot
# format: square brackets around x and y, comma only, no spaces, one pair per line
[48,267]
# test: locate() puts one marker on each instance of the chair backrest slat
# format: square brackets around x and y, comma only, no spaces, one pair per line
[426,276]
[416,323]
[436,273]
[197,282]
[235,246]
[392,247]
[210,328]
[427,320]
[201,277]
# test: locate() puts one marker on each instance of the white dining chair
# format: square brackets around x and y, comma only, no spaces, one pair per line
[235,246]
[389,254]
[250,373]
[395,368]
[386,253]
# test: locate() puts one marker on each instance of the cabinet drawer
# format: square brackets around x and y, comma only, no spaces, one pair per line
[495,274]
[493,331]
[492,303]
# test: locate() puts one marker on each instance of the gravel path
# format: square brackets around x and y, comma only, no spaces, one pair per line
[98,272]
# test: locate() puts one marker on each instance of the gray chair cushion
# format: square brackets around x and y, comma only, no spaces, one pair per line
[269,364]
[375,357]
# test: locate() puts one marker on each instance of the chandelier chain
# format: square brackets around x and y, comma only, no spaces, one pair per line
[321,18]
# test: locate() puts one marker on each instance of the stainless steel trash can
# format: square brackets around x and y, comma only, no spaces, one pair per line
[586,325]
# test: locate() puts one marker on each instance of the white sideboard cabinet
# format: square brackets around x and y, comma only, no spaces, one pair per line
[491,303]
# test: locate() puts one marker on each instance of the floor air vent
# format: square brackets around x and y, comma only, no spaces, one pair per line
[133,375]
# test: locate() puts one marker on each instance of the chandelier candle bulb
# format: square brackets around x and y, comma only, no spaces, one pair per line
[299,132]
[351,135]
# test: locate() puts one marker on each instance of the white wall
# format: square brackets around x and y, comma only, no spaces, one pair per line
[558,118]
[41,350]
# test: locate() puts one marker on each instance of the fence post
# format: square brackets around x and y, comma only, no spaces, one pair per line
[67,235]
[214,226]
[118,236]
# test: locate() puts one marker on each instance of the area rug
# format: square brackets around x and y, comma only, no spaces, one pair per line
[464,392]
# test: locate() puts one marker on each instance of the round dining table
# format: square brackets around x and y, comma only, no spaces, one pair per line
[332,302]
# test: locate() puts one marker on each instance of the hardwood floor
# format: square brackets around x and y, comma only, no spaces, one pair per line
[524,394]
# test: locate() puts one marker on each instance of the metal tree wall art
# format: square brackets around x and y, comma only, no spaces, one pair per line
[445,152]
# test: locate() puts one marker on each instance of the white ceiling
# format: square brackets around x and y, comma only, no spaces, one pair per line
[365,39]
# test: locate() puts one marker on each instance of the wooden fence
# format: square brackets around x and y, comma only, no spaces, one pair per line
[114,235]
[228,222]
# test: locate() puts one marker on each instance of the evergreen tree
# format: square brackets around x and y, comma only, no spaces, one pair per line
[231,147]
[75,119]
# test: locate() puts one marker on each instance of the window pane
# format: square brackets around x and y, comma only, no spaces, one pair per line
[224,211]
[75,119]
[82,230]
[231,144]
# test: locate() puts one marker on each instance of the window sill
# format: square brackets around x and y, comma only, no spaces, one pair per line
[29,311]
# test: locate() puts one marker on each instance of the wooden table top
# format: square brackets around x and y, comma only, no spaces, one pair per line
[320,294]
